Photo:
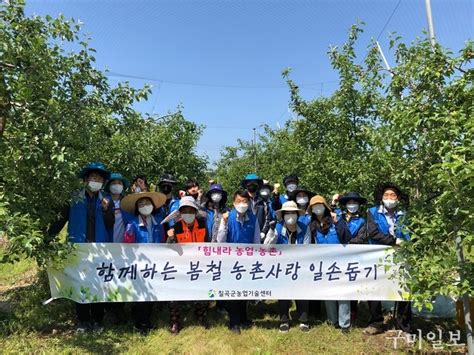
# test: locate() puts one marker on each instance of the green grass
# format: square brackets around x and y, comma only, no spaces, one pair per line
[27,326]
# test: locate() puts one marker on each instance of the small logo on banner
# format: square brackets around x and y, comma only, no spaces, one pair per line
[211,293]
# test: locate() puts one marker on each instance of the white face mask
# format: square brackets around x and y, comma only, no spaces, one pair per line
[291,187]
[318,210]
[188,217]
[241,207]
[352,207]
[116,189]
[390,203]
[265,193]
[216,197]
[137,189]
[94,186]
[302,200]
[290,218]
[146,210]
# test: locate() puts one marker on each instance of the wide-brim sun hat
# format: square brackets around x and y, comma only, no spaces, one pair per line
[129,202]
[318,199]
[117,176]
[216,188]
[289,206]
[95,166]
[352,196]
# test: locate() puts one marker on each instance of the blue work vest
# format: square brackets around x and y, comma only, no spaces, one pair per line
[305,219]
[329,238]
[384,227]
[141,231]
[241,232]
[283,238]
[355,224]
[78,218]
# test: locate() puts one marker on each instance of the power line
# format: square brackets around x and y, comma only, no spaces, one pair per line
[389,18]
[161,81]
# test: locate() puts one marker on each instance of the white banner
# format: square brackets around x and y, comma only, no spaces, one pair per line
[203,271]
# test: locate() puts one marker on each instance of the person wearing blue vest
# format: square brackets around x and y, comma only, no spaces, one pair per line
[90,218]
[350,223]
[144,227]
[116,187]
[290,183]
[289,230]
[215,201]
[165,186]
[264,194]
[324,232]
[385,226]
[302,197]
[239,226]
[350,227]
[252,183]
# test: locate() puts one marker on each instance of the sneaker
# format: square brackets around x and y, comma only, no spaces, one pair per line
[346,330]
[142,329]
[97,328]
[235,329]
[304,327]
[284,327]
[82,327]
[374,328]
[246,324]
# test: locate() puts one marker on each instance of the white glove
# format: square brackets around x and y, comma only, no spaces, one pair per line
[271,237]
[398,241]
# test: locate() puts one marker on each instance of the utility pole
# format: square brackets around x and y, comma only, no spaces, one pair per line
[430,22]
[383,58]
[465,297]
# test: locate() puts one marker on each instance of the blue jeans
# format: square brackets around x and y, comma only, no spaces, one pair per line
[339,312]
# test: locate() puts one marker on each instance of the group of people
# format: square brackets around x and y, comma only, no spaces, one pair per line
[104,212]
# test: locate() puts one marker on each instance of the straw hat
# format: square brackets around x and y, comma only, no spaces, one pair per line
[289,206]
[129,202]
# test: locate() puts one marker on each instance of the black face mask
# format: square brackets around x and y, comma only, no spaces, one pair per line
[252,188]
[166,189]
[195,196]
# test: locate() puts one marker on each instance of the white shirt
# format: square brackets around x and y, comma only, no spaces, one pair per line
[119,227]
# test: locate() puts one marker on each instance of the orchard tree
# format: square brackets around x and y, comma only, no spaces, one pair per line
[57,113]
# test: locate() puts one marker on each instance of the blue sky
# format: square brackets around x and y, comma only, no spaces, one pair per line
[222,59]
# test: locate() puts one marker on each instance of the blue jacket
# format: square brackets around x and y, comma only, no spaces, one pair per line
[78,218]
[282,234]
[306,219]
[329,238]
[210,219]
[351,231]
[283,198]
[379,229]
[140,233]
[238,232]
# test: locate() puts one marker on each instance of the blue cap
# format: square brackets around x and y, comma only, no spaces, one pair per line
[117,176]
[251,177]
[95,166]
